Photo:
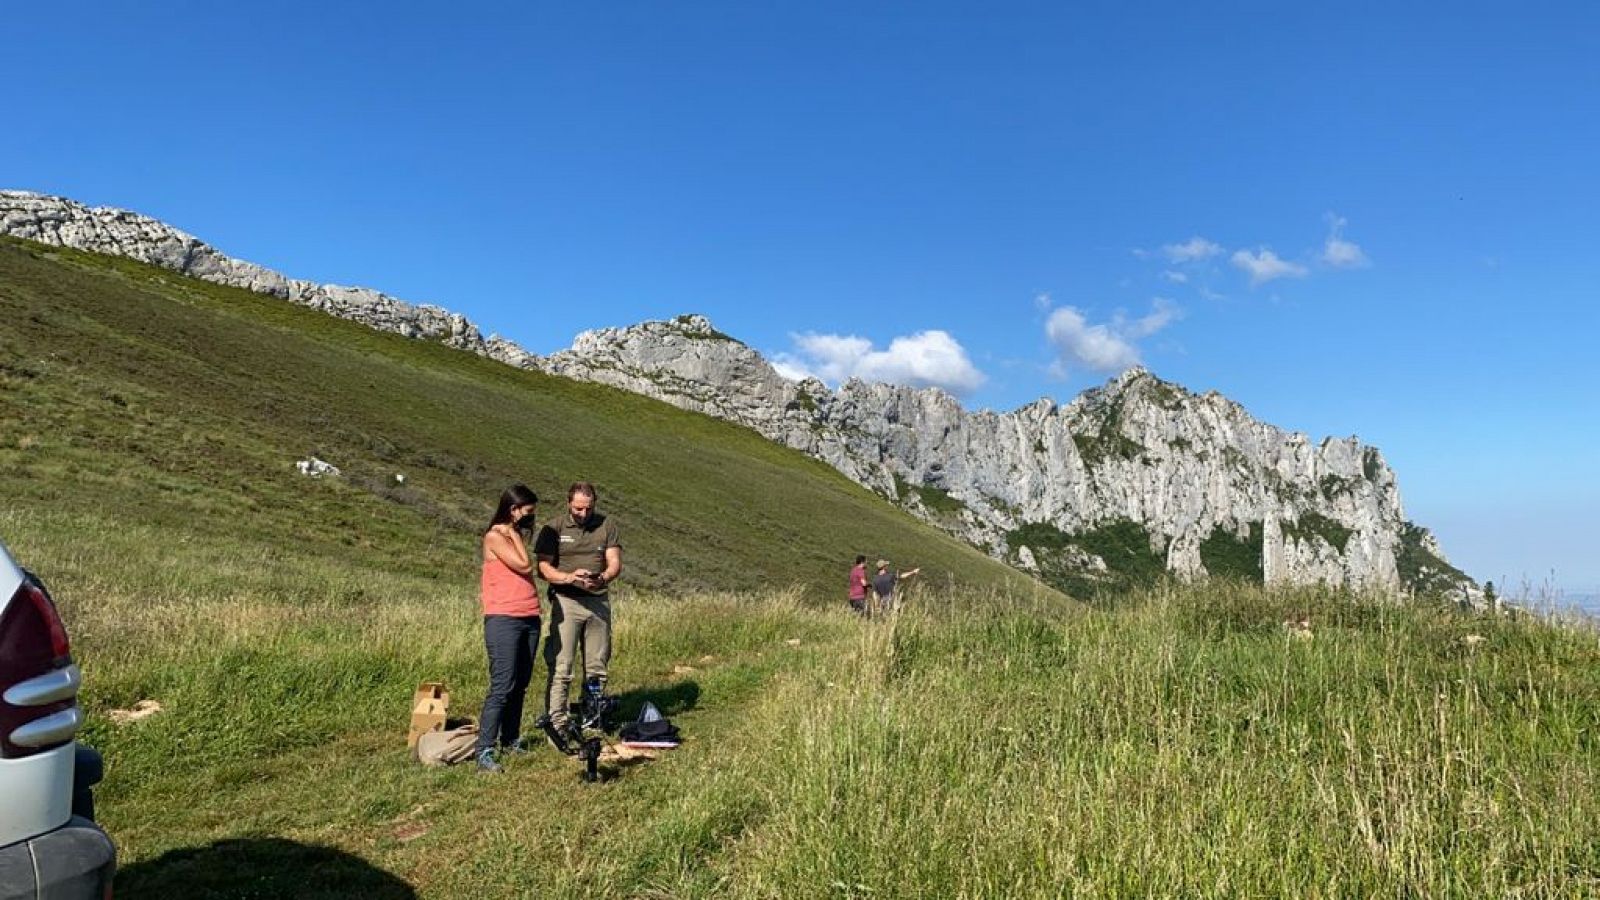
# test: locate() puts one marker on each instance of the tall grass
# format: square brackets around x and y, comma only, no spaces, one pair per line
[1188,745]
[1182,743]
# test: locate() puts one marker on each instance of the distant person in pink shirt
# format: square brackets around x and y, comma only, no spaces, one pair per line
[510,623]
[858,586]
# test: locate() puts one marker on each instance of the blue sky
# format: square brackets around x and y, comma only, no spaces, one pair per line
[1376,219]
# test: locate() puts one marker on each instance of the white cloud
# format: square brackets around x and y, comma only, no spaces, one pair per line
[1265,266]
[1338,252]
[787,368]
[925,359]
[1163,312]
[1175,277]
[1193,250]
[830,357]
[1091,346]
[1342,254]
[1107,347]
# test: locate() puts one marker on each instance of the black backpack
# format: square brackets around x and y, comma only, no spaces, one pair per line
[651,726]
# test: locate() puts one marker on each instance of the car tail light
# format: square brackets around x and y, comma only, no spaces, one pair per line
[38,681]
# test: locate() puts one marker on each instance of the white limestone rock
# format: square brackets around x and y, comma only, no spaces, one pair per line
[65,223]
[1184,466]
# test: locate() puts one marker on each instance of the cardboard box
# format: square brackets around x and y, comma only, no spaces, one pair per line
[429,707]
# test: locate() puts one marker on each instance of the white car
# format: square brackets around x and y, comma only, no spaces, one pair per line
[50,846]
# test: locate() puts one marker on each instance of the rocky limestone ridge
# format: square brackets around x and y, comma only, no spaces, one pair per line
[1208,487]
[117,232]
[1204,486]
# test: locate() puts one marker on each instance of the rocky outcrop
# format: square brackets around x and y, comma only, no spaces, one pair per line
[1139,471]
[1197,473]
[689,363]
[117,232]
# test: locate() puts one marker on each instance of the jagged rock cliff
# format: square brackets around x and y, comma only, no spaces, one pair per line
[1136,476]
[1206,487]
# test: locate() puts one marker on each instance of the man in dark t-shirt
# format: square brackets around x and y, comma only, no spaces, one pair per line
[883,584]
[580,554]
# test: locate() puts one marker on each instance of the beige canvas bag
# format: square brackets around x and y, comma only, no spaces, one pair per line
[446,748]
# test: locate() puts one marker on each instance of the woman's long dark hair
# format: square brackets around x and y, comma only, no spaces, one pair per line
[516,495]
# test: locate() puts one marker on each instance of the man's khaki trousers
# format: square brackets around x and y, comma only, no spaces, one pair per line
[575,623]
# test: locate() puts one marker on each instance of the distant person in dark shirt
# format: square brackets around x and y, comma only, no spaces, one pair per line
[579,554]
[885,582]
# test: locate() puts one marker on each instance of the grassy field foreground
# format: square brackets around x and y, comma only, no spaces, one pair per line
[1180,744]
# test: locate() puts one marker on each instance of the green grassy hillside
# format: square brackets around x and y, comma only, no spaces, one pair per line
[151,398]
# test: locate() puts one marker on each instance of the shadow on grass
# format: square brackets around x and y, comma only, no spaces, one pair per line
[612,768]
[259,868]
[670,699]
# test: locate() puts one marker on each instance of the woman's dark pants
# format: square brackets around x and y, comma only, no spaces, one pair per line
[511,642]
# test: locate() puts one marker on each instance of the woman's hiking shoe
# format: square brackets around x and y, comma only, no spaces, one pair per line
[517,747]
[486,762]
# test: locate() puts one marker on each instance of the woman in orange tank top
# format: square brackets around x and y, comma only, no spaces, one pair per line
[510,623]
